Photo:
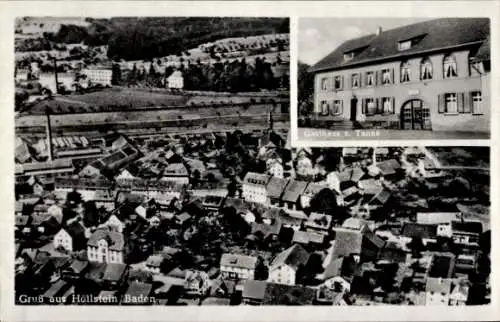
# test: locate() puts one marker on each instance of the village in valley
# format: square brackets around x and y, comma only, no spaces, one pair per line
[137,186]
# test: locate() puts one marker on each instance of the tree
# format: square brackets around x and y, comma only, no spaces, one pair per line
[305,84]
[416,246]
[90,214]
[116,75]
[324,202]
[73,198]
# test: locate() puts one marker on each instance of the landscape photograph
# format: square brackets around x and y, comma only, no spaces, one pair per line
[154,166]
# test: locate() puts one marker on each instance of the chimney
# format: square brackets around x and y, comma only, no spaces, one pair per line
[55,73]
[379,30]
[49,135]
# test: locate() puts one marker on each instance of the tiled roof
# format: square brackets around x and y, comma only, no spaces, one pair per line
[436,217]
[256,178]
[293,256]
[484,51]
[434,35]
[137,289]
[442,265]
[347,242]
[313,188]
[293,190]
[114,271]
[474,227]
[275,187]
[238,260]
[115,239]
[254,289]
[419,230]
[388,167]
[438,285]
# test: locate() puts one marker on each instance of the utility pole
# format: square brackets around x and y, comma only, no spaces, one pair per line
[54,60]
[49,135]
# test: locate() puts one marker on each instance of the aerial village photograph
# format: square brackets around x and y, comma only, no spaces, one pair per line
[393,78]
[154,166]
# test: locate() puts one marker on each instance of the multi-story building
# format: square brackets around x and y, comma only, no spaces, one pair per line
[99,75]
[175,81]
[106,246]
[284,267]
[432,75]
[255,187]
[237,266]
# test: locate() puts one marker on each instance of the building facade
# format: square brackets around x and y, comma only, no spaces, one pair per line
[254,187]
[236,266]
[426,76]
[63,239]
[99,75]
[175,81]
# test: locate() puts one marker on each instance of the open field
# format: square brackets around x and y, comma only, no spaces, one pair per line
[109,99]
[125,99]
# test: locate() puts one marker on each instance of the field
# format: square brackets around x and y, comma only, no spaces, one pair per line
[109,99]
[462,156]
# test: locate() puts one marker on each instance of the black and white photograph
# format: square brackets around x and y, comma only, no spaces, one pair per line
[393,78]
[238,161]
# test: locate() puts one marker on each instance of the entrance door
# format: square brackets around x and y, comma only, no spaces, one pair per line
[354,109]
[414,116]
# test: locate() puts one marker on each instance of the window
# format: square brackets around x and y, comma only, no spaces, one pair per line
[324,84]
[370,79]
[451,103]
[324,108]
[338,82]
[348,56]
[476,68]
[477,102]
[336,107]
[387,105]
[405,72]
[371,107]
[425,69]
[404,45]
[355,80]
[450,66]
[386,76]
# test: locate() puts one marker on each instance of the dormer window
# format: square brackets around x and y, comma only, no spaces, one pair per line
[348,56]
[404,45]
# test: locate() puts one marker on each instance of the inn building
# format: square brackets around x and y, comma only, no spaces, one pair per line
[431,75]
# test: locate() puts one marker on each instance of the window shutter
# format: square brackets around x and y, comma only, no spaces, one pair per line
[363,106]
[361,80]
[460,102]
[392,76]
[378,105]
[379,77]
[393,106]
[341,107]
[441,106]
[341,82]
[467,102]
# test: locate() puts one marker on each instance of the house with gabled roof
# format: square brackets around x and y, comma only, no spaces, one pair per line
[106,246]
[292,193]
[283,268]
[238,266]
[429,75]
[255,187]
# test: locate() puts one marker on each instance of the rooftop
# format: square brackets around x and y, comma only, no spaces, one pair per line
[432,35]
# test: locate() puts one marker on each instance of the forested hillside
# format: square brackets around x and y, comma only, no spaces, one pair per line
[146,38]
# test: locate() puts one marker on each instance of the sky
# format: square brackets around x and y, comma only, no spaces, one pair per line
[320,36]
